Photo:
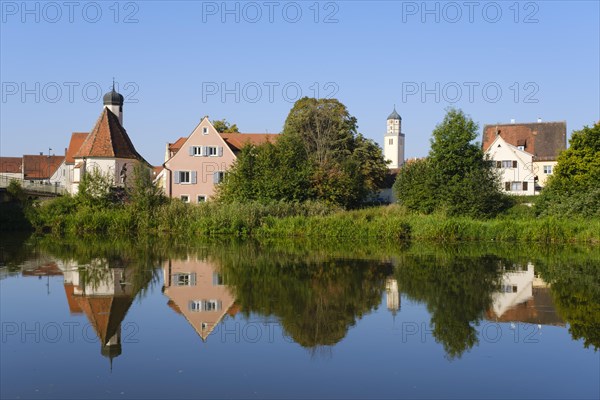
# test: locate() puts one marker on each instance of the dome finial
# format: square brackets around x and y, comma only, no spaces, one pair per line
[114,87]
[394,114]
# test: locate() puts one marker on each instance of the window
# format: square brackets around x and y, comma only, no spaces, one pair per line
[521,148]
[211,151]
[201,198]
[516,186]
[391,141]
[548,169]
[205,131]
[185,198]
[205,305]
[507,164]
[196,150]
[217,279]
[206,151]
[184,177]
[184,279]
[218,176]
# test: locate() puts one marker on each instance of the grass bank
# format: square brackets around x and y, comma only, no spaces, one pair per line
[305,220]
[395,222]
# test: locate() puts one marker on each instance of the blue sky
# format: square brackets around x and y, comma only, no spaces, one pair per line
[495,60]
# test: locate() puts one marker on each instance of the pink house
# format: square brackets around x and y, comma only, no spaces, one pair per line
[196,164]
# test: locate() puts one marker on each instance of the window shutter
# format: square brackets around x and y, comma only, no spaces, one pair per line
[176,176]
[194,177]
[220,151]
[175,278]
[205,151]
[507,186]
[498,164]
[524,185]
[216,177]
[514,164]
[193,279]
[191,150]
[191,305]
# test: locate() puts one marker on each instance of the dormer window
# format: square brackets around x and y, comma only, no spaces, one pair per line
[522,148]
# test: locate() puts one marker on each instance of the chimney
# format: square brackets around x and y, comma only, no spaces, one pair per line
[512,120]
[539,119]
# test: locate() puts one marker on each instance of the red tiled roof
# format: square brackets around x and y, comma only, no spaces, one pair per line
[108,139]
[77,139]
[174,147]
[238,140]
[50,269]
[157,170]
[11,165]
[41,167]
[105,313]
[545,140]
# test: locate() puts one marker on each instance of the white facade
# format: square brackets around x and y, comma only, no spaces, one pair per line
[516,288]
[517,169]
[118,170]
[393,145]
[62,176]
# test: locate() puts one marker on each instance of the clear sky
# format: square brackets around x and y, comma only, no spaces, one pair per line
[246,61]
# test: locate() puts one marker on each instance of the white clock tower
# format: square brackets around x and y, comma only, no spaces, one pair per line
[393,146]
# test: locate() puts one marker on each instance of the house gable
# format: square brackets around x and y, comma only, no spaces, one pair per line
[545,140]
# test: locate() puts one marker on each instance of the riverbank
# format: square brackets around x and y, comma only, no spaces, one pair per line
[306,220]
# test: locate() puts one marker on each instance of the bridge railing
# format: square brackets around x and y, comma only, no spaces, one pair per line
[34,186]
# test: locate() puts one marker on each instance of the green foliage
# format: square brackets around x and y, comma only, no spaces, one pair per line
[144,195]
[222,126]
[457,290]
[94,189]
[266,173]
[455,178]
[574,187]
[316,299]
[319,156]
[16,191]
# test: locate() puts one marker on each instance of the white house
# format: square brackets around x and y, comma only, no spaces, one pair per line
[516,167]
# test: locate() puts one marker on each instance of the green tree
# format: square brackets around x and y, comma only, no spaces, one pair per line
[574,187]
[222,126]
[459,180]
[319,156]
[143,193]
[94,189]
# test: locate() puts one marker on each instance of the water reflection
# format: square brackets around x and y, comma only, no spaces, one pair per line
[197,291]
[103,290]
[523,296]
[316,297]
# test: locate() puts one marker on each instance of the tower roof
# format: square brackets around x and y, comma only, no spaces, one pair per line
[113,98]
[394,115]
[108,139]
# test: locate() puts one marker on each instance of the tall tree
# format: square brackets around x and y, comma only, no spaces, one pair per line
[318,156]
[459,180]
[222,126]
[574,187]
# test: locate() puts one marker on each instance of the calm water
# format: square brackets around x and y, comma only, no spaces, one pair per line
[221,319]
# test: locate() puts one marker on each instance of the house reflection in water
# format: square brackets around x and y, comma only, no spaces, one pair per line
[392,295]
[523,297]
[104,294]
[197,291]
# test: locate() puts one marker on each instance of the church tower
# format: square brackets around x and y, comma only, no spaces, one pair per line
[114,102]
[393,147]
